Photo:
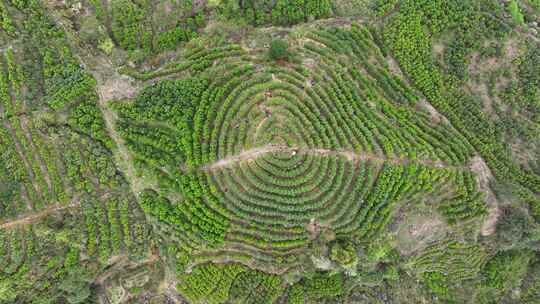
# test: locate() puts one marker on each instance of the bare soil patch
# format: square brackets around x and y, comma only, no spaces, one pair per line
[483,176]
[118,88]
[436,117]
[416,231]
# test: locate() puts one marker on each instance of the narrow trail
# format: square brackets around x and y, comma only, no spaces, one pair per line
[244,156]
[122,154]
[31,218]
[483,178]
[350,155]
[110,86]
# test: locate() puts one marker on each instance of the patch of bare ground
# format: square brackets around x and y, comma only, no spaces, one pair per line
[524,152]
[481,90]
[438,49]
[418,231]
[313,228]
[511,49]
[480,66]
[483,176]
[122,262]
[173,294]
[436,117]
[259,125]
[32,218]
[393,66]
[309,63]
[243,156]
[118,88]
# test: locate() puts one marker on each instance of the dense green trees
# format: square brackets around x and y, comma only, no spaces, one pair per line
[446,266]
[514,227]
[278,49]
[231,283]
[408,37]
[506,270]
[280,12]
[255,167]
[176,130]
[320,287]
[517,16]
[142,26]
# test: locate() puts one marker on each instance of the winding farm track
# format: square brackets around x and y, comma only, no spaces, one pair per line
[31,218]
[350,155]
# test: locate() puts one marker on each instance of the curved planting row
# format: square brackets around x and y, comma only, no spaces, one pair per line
[264,156]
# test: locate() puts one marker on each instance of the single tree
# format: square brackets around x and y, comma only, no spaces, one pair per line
[279,49]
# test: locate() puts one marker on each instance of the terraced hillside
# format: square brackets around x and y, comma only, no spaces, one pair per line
[269,152]
[265,155]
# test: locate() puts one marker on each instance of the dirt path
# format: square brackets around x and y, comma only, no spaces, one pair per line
[350,155]
[31,218]
[110,86]
[119,262]
[483,176]
[106,93]
[244,156]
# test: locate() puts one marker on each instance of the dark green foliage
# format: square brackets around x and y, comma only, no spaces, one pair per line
[43,270]
[446,267]
[296,294]
[280,12]
[412,45]
[11,179]
[86,116]
[530,287]
[211,283]
[528,96]
[170,39]
[185,217]
[323,286]
[505,270]
[136,27]
[76,285]
[320,287]
[383,7]
[257,172]
[128,24]
[513,227]
[535,4]
[264,288]
[467,204]
[278,49]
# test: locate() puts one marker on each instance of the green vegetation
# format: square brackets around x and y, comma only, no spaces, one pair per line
[280,12]
[278,49]
[306,151]
[513,8]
